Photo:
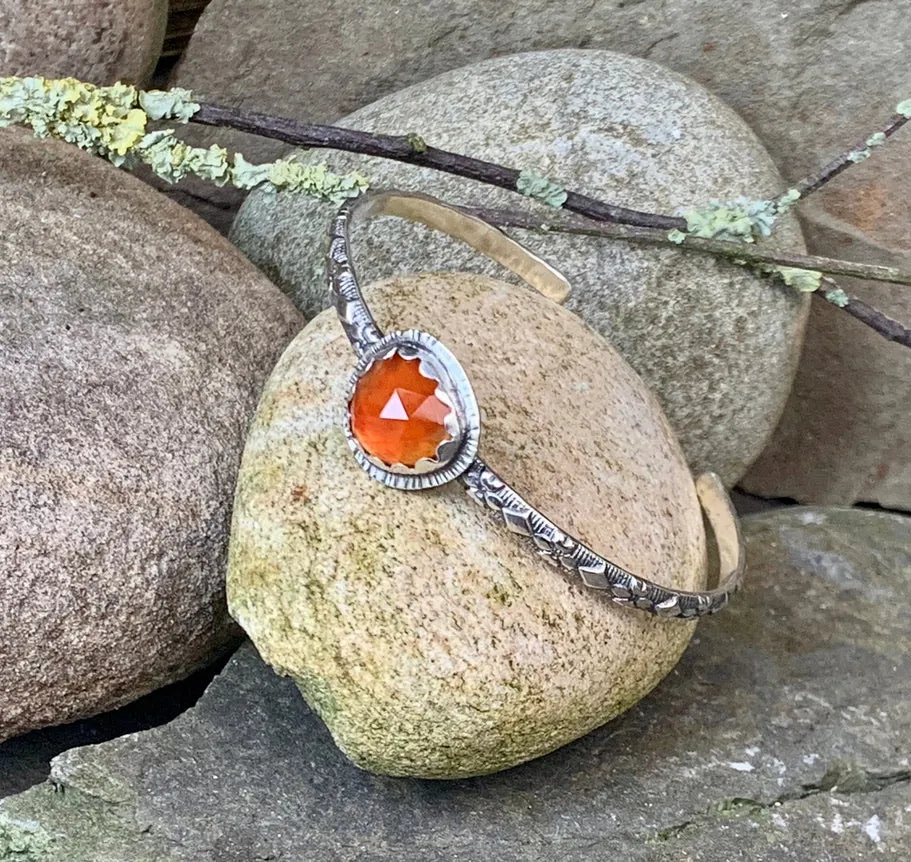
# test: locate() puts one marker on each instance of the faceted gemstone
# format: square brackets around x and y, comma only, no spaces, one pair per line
[395,413]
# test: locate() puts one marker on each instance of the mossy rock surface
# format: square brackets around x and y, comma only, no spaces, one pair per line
[782,735]
[431,640]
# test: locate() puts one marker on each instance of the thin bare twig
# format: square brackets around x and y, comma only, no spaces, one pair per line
[405,148]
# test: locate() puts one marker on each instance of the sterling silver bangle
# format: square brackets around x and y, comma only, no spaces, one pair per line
[410,382]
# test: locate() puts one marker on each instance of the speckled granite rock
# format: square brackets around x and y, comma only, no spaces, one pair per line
[100,42]
[623,129]
[133,344]
[431,640]
[783,736]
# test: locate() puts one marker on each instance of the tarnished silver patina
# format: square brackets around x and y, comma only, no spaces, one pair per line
[457,457]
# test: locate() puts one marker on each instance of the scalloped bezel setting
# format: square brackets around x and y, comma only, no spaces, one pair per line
[462,423]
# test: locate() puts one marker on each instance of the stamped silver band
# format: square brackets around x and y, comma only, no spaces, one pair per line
[457,456]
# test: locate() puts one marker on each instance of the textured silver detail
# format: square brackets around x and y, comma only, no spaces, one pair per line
[439,364]
[483,484]
[595,572]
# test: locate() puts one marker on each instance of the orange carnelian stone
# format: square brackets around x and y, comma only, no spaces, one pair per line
[395,414]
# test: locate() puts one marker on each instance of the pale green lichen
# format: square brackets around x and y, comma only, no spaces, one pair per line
[837,297]
[22,840]
[787,200]
[540,188]
[113,122]
[741,219]
[747,220]
[173,104]
[315,180]
[877,139]
[904,108]
[802,280]
[245,175]
[102,120]
[416,142]
[172,159]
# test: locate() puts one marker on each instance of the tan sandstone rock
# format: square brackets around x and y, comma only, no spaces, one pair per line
[432,641]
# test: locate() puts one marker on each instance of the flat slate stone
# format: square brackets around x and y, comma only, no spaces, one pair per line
[783,735]
[25,760]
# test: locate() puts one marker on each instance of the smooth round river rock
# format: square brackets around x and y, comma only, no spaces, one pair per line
[431,640]
[624,130]
[133,344]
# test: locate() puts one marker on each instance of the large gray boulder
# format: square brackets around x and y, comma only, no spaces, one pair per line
[97,42]
[133,343]
[782,736]
[622,129]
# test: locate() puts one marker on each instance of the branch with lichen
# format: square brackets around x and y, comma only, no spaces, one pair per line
[717,226]
[802,272]
[414,150]
[887,327]
[114,122]
[858,153]
[757,253]
[748,220]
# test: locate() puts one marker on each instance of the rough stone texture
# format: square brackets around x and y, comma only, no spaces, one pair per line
[624,129]
[133,344]
[101,42]
[399,613]
[803,682]
[26,760]
[846,431]
[811,77]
